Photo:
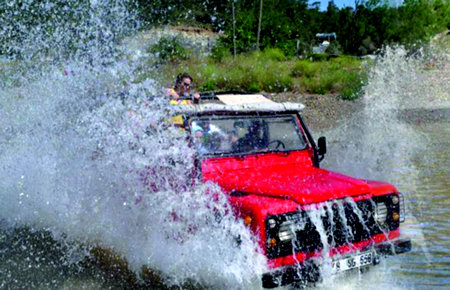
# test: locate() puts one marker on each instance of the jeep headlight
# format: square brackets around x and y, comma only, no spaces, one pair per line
[381,213]
[287,231]
[284,227]
[389,210]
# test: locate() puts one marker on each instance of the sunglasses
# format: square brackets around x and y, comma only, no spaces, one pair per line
[186,85]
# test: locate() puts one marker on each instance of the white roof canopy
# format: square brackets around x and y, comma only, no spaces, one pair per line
[242,108]
[236,99]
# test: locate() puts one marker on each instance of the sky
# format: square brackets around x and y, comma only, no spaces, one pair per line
[348,3]
[339,3]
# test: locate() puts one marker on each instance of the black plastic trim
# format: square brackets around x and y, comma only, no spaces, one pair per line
[316,161]
[309,272]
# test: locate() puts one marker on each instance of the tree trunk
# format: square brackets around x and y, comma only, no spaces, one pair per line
[234,29]
[259,24]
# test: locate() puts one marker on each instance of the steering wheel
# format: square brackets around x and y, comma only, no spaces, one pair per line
[279,143]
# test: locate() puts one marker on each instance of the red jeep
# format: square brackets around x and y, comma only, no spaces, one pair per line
[262,154]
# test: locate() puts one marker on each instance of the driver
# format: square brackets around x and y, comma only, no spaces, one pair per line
[252,139]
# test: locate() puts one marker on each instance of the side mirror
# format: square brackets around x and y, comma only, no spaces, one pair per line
[322,146]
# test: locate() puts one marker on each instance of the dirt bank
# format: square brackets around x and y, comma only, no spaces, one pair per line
[321,111]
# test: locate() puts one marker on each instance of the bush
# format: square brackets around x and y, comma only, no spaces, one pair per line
[208,85]
[334,49]
[253,88]
[336,75]
[318,56]
[219,52]
[274,54]
[253,72]
[170,49]
[353,83]
[262,71]
[305,68]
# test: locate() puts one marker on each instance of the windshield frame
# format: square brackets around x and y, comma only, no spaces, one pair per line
[299,130]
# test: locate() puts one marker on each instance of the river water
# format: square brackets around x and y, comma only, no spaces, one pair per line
[427,194]
[402,135]
[72,157]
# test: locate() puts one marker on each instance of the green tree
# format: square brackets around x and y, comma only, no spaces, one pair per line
[330,18]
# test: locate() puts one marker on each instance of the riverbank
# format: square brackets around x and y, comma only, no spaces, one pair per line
[167,52]
[321,112]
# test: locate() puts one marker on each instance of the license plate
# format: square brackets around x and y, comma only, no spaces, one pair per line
[352,262]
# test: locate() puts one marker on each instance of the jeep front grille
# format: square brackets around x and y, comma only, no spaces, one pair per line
[337,223]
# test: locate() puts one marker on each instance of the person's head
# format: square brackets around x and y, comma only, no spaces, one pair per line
[204,125]
[233,137]
[198,136]
[254,127]
[183,84]
[215,141]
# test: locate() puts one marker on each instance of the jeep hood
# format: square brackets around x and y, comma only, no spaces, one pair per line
[300,183]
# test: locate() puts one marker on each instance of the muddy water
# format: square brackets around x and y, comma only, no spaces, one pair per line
[402,136]
[27,262]
[427,198]
[429,210]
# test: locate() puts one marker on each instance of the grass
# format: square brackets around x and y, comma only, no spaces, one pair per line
[268,71]
[342,75]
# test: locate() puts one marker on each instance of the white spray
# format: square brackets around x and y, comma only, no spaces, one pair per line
[101,168]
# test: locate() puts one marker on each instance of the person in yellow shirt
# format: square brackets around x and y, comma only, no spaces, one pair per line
[182,90]
[179,94]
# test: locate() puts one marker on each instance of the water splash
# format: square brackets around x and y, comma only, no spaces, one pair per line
[383,142]
[96,168]
[80,160]
[376,143]
[55,30]
[89,167]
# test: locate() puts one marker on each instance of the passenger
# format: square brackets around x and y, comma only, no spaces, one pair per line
[206,127]
[208,137]
[182,90]
[199,141]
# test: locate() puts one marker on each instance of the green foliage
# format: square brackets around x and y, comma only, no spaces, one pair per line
[220,51]
[318,56]
[291,26]
[370,27]
[305,68]
[170,49]
[352,84]
[262,71]
[334,49]
[189,12]
[342,74]
[252,72]
[255,72]
[281,26]
[288,29]
[271,54]
[286,24]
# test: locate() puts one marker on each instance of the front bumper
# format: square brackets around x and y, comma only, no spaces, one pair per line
[309,272]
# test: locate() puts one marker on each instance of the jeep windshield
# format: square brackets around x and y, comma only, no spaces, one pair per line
[249,134]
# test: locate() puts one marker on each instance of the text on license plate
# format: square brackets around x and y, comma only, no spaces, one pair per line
[353,262]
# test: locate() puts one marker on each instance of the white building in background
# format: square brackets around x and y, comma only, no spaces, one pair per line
[326,38]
